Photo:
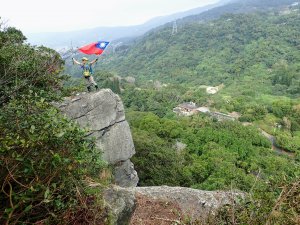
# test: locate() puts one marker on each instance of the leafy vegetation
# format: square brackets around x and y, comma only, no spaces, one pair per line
[24,68]
[44,158]
[262,210]
[217,154]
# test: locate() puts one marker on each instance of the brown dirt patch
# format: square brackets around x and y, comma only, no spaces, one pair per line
[155,212]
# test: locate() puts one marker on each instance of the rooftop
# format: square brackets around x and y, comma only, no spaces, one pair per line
[188,105]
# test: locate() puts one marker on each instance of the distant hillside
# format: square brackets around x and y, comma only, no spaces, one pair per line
[240,6]
[80,37]
[221,51]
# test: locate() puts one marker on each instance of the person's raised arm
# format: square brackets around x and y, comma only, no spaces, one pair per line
[94,61]
[75,61]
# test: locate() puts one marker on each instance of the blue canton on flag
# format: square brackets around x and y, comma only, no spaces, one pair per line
[102,44]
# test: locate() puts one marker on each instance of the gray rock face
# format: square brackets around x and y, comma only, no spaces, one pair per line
[121,203]
[116,142]
[125,175]
[196,204]
[103,114]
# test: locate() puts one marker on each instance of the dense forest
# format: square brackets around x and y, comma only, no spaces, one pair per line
[232,48]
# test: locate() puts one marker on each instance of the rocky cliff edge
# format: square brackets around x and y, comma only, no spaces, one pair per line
[103,114]
[166,205]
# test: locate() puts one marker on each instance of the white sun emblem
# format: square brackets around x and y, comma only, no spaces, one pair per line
[102,45]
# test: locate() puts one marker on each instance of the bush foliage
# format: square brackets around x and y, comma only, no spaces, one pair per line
[44,157]
[25,68]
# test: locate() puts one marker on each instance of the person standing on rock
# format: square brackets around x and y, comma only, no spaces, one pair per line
[87,72]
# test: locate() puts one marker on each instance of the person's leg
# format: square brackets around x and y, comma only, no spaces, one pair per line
[92,81]
[88,84]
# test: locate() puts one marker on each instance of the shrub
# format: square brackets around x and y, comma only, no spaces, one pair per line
[43,161]
[24,67]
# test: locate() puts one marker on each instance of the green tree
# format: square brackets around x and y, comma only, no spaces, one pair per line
[24,68]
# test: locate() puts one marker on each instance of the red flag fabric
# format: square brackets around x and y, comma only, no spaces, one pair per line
[96,48]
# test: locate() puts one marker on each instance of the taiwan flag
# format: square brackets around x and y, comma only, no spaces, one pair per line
[96,48]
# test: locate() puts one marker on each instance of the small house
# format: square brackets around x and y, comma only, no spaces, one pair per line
[186,109]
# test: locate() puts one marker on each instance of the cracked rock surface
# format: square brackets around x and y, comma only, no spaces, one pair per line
[197,205]
[103,114]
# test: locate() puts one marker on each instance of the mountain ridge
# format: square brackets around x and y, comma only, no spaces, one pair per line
[161,55]
[80,37]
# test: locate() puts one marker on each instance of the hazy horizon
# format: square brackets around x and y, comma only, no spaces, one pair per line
[59,16]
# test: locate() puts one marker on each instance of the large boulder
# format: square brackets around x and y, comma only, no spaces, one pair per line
[103,114]
[133,204]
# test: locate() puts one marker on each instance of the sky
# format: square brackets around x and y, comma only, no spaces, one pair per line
[34,16]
